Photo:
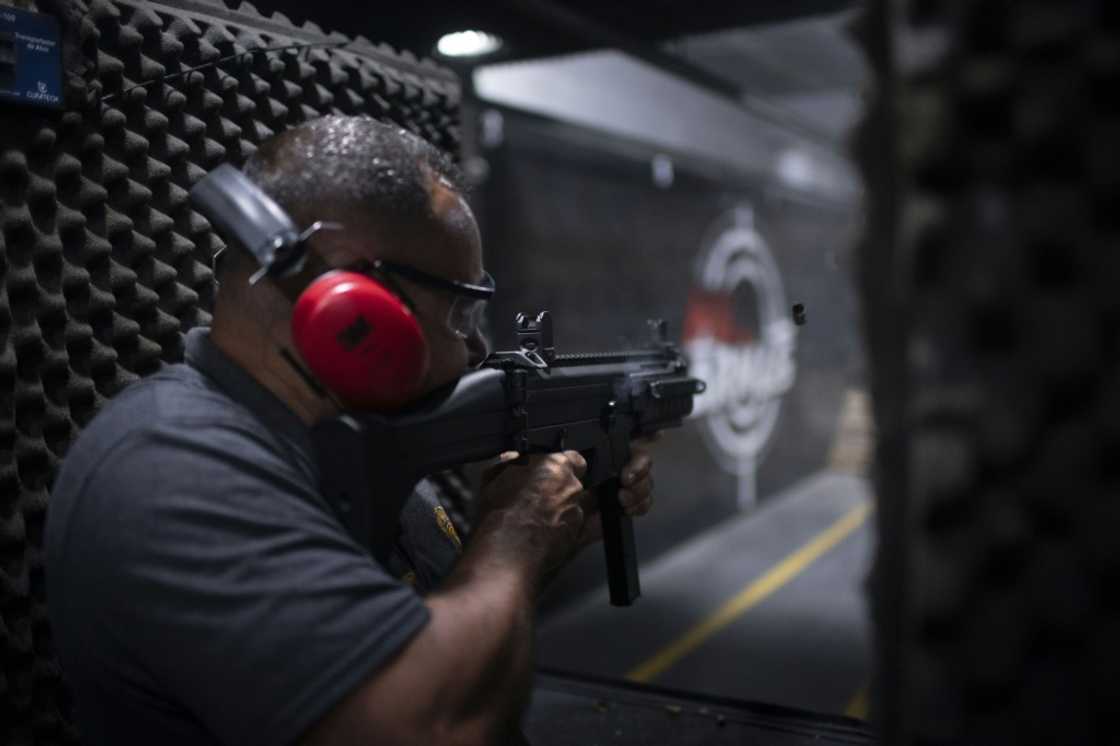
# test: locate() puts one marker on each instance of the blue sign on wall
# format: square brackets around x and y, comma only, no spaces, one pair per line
[30,58]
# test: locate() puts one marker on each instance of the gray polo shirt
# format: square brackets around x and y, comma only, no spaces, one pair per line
[199,587]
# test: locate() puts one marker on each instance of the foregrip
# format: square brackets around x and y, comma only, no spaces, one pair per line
[618,544]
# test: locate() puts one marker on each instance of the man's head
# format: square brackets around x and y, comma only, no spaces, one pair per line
[397,199]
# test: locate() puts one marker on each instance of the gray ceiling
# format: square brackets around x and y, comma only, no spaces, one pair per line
[783,105]
[810,68]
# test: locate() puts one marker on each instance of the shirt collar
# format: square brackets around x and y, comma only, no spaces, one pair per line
[202,354]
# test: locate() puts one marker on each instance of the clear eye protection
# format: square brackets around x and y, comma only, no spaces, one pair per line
[465,314]
[468,299]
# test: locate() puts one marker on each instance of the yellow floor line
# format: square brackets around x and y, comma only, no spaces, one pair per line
[750,596]
[858,707]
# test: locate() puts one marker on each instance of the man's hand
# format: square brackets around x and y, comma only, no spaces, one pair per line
[636,489]
[636,494]
[538,510]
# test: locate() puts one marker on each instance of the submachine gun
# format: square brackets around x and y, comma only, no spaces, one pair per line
[530,400]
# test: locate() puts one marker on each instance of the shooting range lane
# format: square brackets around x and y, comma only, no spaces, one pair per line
[767,607]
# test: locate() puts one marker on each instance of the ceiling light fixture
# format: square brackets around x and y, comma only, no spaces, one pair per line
[468,44]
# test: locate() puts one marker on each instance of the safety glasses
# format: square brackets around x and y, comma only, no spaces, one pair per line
[469,299]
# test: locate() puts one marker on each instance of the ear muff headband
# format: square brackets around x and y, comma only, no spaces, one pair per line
[358,338]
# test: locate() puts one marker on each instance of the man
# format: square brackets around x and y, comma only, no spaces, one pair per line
[202,591]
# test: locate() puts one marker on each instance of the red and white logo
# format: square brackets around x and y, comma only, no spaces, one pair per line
[739,338]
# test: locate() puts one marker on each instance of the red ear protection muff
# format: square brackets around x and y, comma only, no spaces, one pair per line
[360,340]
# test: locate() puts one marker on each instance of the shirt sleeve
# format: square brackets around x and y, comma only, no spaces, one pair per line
[428,538]
[235,589]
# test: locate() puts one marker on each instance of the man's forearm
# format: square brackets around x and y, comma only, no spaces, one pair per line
[465,676]
[483,618]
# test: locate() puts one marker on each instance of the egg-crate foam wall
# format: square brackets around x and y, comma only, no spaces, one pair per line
[990,275]
[103,263]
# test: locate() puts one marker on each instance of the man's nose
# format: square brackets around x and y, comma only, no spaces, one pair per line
[478,348]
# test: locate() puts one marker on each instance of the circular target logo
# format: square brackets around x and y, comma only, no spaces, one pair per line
[739,339]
